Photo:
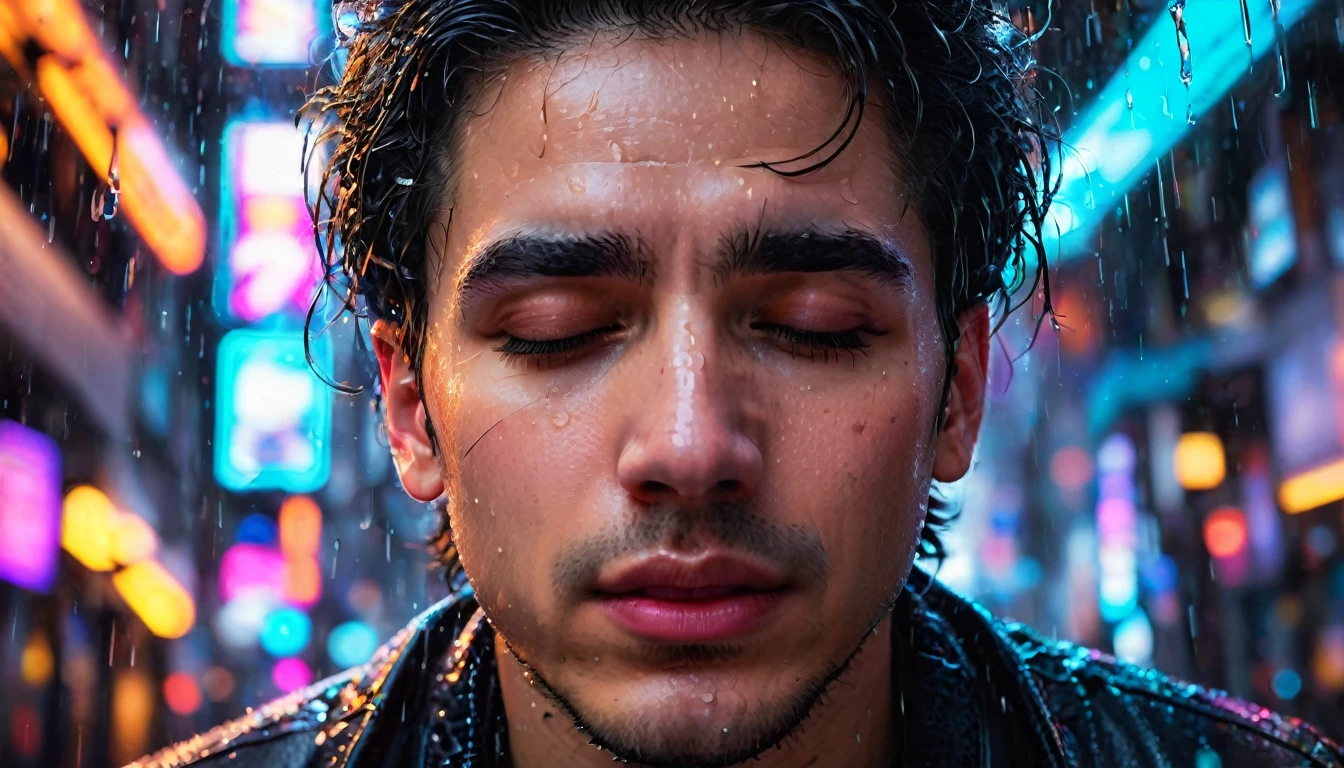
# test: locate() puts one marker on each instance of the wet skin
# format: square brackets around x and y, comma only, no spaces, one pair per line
[735,367]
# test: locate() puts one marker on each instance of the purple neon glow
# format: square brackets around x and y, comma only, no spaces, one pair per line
[291,674]
[273,258]
[248,567]
[30,507]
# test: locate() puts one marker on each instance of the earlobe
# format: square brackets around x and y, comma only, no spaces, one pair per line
[966,398]
[412,449]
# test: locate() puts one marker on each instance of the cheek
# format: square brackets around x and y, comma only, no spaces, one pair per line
[522,490]
[860,462]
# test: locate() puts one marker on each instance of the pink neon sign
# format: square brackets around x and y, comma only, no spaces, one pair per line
[272,263]
[30,507]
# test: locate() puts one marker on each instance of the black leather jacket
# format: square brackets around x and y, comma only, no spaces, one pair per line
[974,692]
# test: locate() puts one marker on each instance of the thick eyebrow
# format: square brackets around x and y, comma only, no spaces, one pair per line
[752,252]
[606,254]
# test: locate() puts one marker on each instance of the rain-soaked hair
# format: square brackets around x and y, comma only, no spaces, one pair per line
[954,80]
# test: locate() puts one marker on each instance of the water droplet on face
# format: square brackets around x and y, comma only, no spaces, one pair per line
[560,420]
[616,153]
[576,185]
[697,361]
[708,697]
[682,360]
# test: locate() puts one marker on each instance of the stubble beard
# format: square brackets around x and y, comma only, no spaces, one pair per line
[770,726]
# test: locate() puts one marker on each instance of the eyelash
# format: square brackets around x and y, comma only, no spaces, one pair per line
[812,345]
[800,343]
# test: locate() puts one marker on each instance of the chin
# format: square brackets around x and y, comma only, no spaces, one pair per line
[711,717]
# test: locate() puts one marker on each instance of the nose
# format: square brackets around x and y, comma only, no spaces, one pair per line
[691,438]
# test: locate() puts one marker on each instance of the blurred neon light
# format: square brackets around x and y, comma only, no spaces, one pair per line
[1113,147]
[87,96]
[1199,461]
[286,632]
[30,507]
[269,32]
[300,526]
[352,643]
[248,567]
[291,674]
[1225,532]
[1312,489]
[157,598]
[1273,231]
[270,262]
[1117,530]
[86,527]
[272,415]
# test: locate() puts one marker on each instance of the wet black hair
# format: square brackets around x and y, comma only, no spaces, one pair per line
[956,83]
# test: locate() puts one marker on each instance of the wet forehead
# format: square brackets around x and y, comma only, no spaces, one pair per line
[653,138]
[661,101]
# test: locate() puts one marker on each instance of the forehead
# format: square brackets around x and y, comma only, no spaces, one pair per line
[628,133]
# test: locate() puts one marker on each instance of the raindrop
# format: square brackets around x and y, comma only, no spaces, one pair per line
[560,420]
[576,185]
[697,361]
[708,697]
[616,153]
[1246,29]
[1279,35]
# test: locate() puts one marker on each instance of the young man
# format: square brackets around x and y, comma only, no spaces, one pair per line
[684,305]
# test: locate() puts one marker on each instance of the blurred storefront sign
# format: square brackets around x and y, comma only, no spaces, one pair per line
[51,39]
[30,507]
[1306,404]
[49,307]
[273,414]
[269,33]
[270,263]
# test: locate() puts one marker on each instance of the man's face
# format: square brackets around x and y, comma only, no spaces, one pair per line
[686,408]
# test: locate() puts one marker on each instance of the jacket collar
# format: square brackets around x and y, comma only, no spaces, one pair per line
[964,694]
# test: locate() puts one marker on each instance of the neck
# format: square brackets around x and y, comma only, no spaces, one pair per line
[852,726]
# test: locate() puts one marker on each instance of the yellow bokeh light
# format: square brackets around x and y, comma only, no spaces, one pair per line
[165,607]
[87,522]
[1199,461]
[133,539]
[1313,489]
[37,662]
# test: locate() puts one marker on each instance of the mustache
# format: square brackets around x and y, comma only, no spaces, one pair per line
[727,524]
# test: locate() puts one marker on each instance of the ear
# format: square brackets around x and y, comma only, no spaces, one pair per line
[965,399]
[412,450]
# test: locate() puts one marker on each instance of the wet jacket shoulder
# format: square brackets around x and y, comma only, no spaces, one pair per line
[330,723]
[1109,713]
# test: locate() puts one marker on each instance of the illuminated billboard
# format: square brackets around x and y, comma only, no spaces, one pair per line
[272,413]
[269,33]
[30,507]
[269,262]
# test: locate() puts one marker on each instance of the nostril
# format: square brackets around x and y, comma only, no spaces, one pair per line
[654,488]
[728,486]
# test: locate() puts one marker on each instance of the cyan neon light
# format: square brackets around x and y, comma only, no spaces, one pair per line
[1113,146]
[272,413]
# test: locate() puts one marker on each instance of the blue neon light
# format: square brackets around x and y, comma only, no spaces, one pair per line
[272,413]
[286,632]
[1113,146]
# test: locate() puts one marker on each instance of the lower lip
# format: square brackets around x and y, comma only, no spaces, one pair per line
[714,620]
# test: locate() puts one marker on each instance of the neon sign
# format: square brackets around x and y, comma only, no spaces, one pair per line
[270,262]
[275,33]
[30,507]
[272,414]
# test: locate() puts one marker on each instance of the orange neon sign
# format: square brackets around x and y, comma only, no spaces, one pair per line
[85,94]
